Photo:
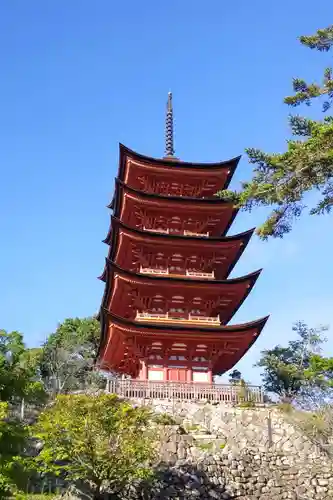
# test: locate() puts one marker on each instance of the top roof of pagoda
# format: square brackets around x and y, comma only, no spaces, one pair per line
[173,162]
[135,167]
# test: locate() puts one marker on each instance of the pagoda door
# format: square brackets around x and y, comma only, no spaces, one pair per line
[177,374]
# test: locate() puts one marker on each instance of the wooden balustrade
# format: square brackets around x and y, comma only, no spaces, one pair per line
[182,391]
[148,270]
[191,233]
[186,232]
[188,274]
[156,230]
[170,318]
[199,274]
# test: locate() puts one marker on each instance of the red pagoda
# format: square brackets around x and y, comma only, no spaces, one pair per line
[168,300]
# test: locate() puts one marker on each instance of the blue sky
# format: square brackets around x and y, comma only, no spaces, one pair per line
[78,76]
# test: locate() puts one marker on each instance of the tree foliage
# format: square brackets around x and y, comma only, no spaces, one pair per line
[68,356]
[282,180]
[13,437]
[19,374]
[98,440]
[235,377]
[299,369]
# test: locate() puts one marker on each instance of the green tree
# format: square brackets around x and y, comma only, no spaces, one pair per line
[282,180]
[298,369]
[235,377]
[13,437]
[99,441]
[68,356]
[19,374]
[19,381]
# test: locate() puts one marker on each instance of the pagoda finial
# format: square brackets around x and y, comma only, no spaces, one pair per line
[169,147]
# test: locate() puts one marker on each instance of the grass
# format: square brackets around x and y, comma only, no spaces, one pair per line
[205,446]
[32,496]
[285,407]
[192,427]
[317,425]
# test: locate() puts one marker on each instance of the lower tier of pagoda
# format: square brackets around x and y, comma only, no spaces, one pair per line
[172,353]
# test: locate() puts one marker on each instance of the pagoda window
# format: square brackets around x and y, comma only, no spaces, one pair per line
[178,298]
[196,312]
[155,356]
[200,359]
[177,256]
[158,299]
[177,358]
[175,224]
[176,270]
[200,368]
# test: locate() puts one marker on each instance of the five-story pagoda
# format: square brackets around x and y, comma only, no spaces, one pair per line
[168,299]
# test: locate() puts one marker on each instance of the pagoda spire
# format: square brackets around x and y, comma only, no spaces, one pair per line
[169,145]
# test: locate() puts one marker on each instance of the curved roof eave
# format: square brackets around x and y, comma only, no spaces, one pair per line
[184,281]
[245,236]
[152,196]
[232,162]
[243,327]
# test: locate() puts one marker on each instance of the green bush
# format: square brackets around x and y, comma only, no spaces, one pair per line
[247,404]
[164,419]
[285,407]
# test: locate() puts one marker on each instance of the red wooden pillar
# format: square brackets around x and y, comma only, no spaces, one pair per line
[189,374]
[144,370]
[165,373]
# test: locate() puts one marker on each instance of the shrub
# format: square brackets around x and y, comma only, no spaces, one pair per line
[164,419]
[96,440]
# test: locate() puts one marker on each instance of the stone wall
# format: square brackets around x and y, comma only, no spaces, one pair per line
[260,429]
[188,470]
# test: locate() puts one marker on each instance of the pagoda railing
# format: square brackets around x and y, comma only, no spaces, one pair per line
[171,318]
[186,232]
[148,270]
[156,230]
[191,233]
[185,391]
[198,274]
[189,274]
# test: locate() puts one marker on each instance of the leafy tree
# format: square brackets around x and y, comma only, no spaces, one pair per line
[100,441]
[19,376]
[12,440]
[19,381]
[235,377]
[68,356]
[298,369]
[282,180]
